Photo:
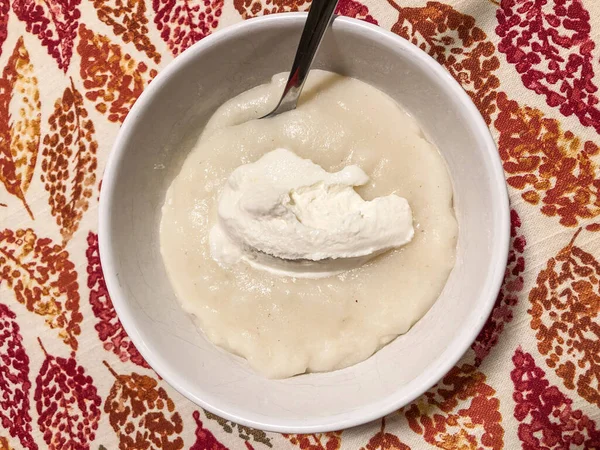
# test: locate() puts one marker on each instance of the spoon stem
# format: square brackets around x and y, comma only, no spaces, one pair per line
[317,22]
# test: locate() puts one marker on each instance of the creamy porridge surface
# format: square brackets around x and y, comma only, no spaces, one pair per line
[288,325]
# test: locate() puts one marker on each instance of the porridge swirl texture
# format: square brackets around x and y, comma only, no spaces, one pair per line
[285,325]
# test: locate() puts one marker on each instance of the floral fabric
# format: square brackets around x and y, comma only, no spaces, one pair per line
[70,378]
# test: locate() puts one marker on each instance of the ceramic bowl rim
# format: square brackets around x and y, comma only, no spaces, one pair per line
[370,411]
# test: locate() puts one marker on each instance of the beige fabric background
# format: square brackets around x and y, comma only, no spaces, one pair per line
[70,378]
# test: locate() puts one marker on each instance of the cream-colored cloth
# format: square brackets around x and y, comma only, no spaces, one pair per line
[69,376]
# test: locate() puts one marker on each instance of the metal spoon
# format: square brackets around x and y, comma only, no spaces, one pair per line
[317,22]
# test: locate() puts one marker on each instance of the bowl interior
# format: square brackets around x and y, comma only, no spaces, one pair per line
[151,147]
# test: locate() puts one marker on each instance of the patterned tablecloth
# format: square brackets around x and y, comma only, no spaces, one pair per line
[70,378]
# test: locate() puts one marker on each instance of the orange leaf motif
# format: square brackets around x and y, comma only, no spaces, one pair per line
[322,441]
[43,279]
[552,167]
[4,444]
[385,441]
[128,19]
[254,8]
[456,43]
[460,413]
[565,312]
[113,80]
[19,123]
[136,408]
[69,161]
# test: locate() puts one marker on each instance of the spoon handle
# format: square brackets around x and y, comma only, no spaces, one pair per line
[317,22]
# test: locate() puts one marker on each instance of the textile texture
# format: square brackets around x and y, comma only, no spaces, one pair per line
[70,378]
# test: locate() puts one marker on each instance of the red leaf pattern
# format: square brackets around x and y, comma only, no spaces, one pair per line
[14,380]
[184,22]
[205,440]
[109,328]
[356,10]
[508,296]
[4,12]
[54,22]
[67,403]
[547,418]
[43,279]
[548,41]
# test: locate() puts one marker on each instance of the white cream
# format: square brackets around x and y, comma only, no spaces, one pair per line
[287,215]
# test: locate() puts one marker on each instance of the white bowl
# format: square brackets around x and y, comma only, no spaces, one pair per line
[149,151]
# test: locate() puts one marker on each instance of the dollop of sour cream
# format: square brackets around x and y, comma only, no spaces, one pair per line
[289,216]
